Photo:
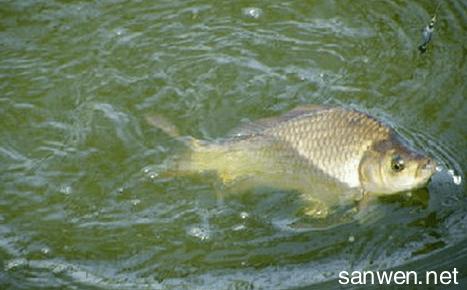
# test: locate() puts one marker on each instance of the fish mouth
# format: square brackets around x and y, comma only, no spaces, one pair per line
[427,169]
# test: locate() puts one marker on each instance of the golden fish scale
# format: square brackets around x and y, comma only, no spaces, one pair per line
[332,140]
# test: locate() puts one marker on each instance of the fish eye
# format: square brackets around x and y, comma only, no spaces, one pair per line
[397,164]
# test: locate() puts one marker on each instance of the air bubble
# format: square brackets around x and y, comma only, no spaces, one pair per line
[45,250]
[119,31]
[244,215]
[198,232]
[252,12]
[150,173]
[65,189]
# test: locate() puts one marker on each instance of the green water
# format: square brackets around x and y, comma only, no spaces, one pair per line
[80,206]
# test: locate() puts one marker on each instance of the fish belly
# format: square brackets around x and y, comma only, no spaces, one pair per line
[254,163]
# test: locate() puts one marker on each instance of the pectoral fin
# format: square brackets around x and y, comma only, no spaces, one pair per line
[364,202]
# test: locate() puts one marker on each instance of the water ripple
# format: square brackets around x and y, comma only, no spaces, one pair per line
[77,79]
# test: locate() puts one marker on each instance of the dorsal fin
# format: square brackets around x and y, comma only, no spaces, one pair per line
[258,126]
[302,110]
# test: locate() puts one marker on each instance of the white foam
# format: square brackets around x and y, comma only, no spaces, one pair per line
[252,12]
[199,232]
[244,215]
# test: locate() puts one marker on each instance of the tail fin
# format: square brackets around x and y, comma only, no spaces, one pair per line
[183,163]
[170,129]
[163,124]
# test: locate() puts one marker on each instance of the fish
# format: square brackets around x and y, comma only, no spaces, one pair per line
[331,155]
[427,33]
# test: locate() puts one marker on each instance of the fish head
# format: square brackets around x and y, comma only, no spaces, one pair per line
[391,166]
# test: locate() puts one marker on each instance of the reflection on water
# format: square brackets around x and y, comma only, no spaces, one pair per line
[81,204]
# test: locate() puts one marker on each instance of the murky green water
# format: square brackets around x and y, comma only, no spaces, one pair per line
[79,205]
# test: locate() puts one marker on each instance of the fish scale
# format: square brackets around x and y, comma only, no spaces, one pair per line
[320,141]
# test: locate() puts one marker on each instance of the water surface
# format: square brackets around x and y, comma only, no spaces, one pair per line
[80,205]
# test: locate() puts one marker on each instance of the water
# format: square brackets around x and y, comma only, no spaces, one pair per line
[82,207]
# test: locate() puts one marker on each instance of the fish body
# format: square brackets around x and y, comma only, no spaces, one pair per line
[329,154]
